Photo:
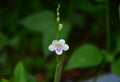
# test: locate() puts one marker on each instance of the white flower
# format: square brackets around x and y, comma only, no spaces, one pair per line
[58,46]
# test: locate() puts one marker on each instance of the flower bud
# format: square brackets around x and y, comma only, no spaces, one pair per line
[58,14]
[60,27]
[58,5]
[58,19]
[57,9]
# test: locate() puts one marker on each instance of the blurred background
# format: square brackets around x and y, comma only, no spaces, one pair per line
[90,27]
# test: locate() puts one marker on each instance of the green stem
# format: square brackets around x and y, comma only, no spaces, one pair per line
[57,34]
[57,69]
[57,74]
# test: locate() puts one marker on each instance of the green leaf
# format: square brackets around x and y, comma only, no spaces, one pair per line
[4,80]
[19,73]
[39,22]
[86,56]
[115,67]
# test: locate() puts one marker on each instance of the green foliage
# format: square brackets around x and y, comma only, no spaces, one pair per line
[115,67]
[31,78]
[99,0]
[44,22]
[30,62]
[4,80]
[118,43]
[64,33]
[108,56]
[2,41]
[3,58]
[39,22]
[94,29]
[19,73]
[86,5]
[85,56]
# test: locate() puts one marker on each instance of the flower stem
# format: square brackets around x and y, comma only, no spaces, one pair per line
[57,74]
[57,69]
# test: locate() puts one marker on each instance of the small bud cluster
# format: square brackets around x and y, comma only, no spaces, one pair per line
[60,26]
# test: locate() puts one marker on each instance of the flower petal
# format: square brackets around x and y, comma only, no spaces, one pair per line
[58,51]
[54,42]
[62,41]
[65,47]
[51,48]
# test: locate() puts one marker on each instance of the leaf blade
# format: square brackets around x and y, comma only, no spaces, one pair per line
[85,56]
[19,73]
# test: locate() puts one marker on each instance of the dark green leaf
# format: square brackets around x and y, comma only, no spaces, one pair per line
[85,56]
[40,22]
[19,73]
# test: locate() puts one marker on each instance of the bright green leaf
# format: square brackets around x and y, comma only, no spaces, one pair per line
[19,73]
[115,67]
[86,56]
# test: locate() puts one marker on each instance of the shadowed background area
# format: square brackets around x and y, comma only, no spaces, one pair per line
[90,27]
